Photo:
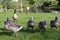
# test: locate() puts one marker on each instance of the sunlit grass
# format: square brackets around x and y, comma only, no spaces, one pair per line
[23,34]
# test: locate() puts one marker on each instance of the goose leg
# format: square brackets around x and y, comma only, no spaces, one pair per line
[15,35]
[56,27]
[51,27]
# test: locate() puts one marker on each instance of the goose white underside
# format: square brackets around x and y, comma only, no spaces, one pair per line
[15,16]
[13,29]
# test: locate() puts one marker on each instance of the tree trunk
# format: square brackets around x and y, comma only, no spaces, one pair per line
[21,7]
[5,9]
[5,6]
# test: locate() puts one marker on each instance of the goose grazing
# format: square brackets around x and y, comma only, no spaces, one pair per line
[9,25]
[15,17]
[30,23]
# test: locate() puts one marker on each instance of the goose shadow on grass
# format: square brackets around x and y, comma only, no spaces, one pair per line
[9,33]
[29,30]
[5,32]
[37,30]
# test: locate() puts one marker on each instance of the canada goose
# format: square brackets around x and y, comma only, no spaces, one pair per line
[9,25]
[42,25]
[15,17]
[54,23]
[30,23]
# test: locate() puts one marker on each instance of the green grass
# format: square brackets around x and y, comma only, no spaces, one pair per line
[23,34]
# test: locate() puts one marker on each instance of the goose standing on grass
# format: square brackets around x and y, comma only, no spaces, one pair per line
[15,17]
[42,25]
[54,23]
[9,25]
[30,23]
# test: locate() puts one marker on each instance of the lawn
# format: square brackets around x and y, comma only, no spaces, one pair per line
[49,34]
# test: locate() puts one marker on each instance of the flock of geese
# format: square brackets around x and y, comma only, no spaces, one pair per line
[10,25]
